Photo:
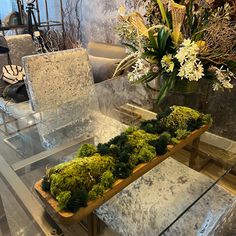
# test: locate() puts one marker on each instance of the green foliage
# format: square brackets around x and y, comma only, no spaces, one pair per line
[181,133]
[161,143]
[107,179]
[119,140]
[206,118]
[79,198]
[95,170]
[122,170]
[79,172]
[162,37]
[179,117]
[96,192]
[152,126]
[146,153]
[174,141]
[194,124]
[86,150]
[103,148]
[45,184]
[131,129]
[63,198]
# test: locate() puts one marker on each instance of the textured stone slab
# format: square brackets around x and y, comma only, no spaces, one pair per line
[154,201]
[55,78]
[20,46]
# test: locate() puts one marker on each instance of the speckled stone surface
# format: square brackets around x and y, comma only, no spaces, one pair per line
[151,203]
[55,78]
[20,46]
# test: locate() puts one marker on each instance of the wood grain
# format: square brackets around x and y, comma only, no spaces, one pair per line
[120,184]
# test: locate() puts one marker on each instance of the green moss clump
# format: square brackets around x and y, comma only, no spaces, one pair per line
[181,133]
[139,138]
[131,129]
[96,168]
[46,184]
[79,172]
[152,126]
[122,170]
[86,150]
[119,140]
[107,179]
[164,113]
[103,148]
[79,198]
[96,192]
[63,198]
[179,117]
[146,153]
[174,141]
[161,143]
[206,118]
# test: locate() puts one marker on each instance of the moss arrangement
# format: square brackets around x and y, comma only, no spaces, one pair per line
[94,169]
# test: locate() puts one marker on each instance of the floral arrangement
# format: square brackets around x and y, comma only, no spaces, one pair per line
[94,169]
[187,41]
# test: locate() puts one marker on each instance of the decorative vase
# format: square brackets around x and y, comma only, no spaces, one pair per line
[185,87]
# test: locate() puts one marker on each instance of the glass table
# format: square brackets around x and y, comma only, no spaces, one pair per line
[30,145]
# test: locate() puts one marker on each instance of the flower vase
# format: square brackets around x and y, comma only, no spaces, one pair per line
[185,87]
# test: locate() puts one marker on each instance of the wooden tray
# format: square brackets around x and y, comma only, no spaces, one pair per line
[120,184]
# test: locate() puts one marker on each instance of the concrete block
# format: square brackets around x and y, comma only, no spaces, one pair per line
[20,46]
[55,78]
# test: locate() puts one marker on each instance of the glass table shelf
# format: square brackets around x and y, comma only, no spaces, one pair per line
[32,144]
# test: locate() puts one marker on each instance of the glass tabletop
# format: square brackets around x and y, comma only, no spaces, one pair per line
[43,139]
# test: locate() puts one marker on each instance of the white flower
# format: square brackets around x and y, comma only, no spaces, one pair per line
[191,67]
[187,51]
[216,86]
[224,78]
[140,69]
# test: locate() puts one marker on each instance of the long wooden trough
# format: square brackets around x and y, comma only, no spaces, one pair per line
[120,184]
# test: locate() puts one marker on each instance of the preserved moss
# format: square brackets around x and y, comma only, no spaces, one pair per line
[96,192]
[181,133]
[161,143]
[179,118]
[86,150]
[95,169]
[80,172]
[107,179]
[79,198]
[63,198]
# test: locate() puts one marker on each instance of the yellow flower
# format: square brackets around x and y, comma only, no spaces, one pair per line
[202,45]
[167,63]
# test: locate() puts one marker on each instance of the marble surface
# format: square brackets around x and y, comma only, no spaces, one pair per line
[206,215]
[151,203]
[55,78]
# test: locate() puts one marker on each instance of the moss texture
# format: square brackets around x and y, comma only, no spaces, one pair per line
[94,169]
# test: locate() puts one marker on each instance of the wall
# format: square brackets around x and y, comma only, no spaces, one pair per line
[98,18]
